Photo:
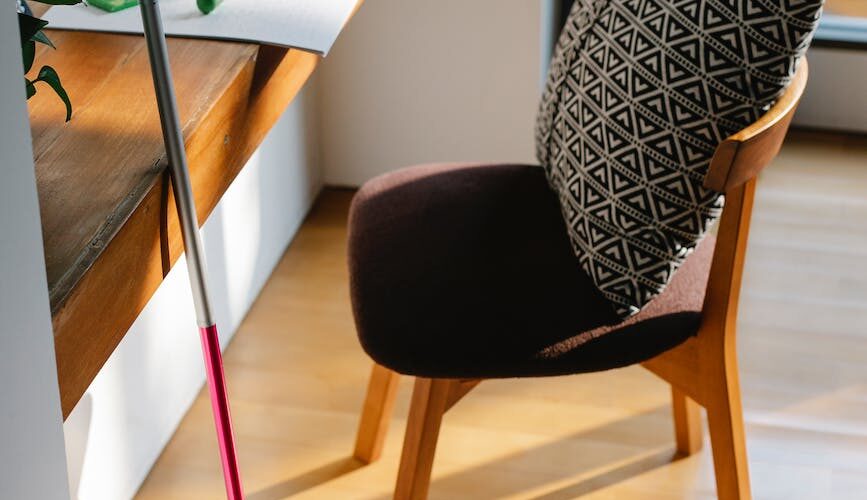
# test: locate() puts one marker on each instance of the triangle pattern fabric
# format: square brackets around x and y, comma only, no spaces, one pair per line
[639,94]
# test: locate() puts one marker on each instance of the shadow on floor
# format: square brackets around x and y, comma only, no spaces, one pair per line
[609,478]
[639,444]
[635,443]
[307,480]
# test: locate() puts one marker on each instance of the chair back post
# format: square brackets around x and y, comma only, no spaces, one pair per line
[719,313]
[733,170]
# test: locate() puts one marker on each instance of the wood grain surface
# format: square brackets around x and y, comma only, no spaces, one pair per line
[109,223]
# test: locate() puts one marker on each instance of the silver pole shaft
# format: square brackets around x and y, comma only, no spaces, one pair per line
[171,126]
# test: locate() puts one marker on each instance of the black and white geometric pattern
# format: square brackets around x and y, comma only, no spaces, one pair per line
[639,95]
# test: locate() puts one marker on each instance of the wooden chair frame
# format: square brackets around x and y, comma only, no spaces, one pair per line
[702,371]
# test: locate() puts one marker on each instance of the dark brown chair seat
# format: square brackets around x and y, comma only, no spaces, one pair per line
[466,271]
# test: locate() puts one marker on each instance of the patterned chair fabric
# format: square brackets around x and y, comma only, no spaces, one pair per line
[639,94]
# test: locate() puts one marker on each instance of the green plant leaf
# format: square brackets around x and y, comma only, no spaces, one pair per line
[30,29]
[31,89]
[59,2]
[29,26]
[49,76]
[28,51]
[41,37]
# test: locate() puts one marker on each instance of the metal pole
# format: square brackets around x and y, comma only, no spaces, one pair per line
[174,141]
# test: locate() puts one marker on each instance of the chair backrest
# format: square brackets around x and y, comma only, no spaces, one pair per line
[743,155]
[733,170]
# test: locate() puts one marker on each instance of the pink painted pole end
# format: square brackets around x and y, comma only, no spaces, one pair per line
[220,406]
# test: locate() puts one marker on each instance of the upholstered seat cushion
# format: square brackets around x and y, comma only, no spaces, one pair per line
[467,271]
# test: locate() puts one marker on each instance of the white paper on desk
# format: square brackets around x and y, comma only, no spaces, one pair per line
[311,25]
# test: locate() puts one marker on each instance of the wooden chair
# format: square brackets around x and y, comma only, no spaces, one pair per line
[702,370]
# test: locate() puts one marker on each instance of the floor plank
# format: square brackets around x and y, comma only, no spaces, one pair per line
[297,377]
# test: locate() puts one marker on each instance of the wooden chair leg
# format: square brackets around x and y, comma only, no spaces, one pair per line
[726,425]
[430,399]
[375,416]
[687,423]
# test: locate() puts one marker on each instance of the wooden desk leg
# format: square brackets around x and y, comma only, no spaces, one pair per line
[375,416]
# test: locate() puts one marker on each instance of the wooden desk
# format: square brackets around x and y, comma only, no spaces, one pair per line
[108,216]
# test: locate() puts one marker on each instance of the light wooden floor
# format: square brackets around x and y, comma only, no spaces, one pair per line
[297,377]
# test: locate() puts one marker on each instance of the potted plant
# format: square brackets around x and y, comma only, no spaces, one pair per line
[31,28]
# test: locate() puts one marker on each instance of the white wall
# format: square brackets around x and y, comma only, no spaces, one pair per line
[836,95]
[413,81]
[31,437]
[132,408]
